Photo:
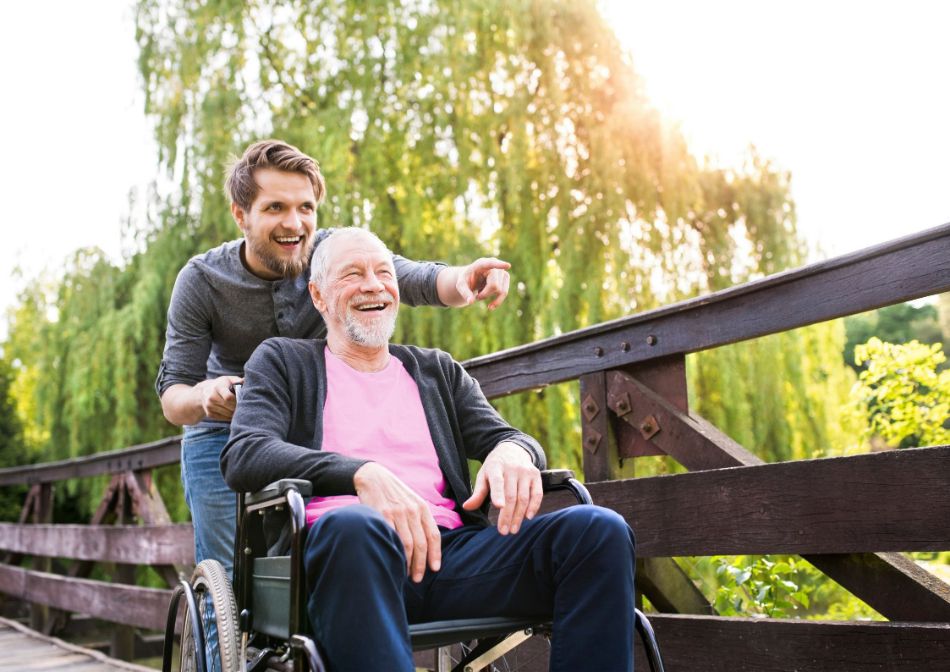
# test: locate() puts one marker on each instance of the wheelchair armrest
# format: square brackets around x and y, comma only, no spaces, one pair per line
[278,489]
[563,479]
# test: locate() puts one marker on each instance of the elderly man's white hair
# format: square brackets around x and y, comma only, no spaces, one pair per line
[318,263]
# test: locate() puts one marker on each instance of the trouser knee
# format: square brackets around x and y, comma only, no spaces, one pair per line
[599,527]
[353,534]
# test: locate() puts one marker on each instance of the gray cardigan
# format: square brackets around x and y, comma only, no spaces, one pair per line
[277,430]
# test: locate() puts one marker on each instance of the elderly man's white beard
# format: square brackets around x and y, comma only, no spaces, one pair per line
[377,333]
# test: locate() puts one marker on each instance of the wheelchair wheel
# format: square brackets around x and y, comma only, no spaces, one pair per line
[211,584]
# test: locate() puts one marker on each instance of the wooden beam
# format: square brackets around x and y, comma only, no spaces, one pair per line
[892,501]
[686,437]
[130,605]
[892,583]
[900,270]
[669,588]
[136,458]
[132,544]
[718,644]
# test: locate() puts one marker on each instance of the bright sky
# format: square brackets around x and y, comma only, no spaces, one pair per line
[851,97]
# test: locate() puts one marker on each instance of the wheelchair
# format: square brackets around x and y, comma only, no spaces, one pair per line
[263,623]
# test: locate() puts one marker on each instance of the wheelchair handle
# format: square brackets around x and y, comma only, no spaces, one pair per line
[563,479]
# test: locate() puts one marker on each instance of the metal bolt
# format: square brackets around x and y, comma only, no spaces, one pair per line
[598,351]
[624,346]
[247,550]
[622,407]
[651,340]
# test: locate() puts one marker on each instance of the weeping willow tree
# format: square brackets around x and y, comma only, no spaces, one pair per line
[518,129]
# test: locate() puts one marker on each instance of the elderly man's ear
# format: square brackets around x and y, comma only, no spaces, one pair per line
[317,298]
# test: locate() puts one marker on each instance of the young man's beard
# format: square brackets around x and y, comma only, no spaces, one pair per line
[282,266]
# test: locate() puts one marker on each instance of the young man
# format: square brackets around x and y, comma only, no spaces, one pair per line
[231,298]
[384,432]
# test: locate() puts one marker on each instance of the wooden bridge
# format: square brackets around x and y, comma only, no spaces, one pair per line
[851,517]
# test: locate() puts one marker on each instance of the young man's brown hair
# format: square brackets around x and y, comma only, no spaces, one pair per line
[275,154]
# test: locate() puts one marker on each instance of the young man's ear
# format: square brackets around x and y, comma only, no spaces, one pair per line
[317,298]
[238,215]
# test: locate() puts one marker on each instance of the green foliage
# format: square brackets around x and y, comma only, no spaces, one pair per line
[899,323]
[773,586]
[11,443]
[905,399]
[784,396]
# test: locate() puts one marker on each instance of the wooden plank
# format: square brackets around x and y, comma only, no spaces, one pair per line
[140,607]
[892,501]
[23,649]
[136,458]
[718,644]
[900,270]
[133,544]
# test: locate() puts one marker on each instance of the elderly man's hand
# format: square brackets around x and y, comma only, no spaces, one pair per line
[408,514]
[514,483]
[480,280]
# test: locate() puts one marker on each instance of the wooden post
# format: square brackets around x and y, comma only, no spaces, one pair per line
[42,494]
[599,440]
[605,416]
[123,636]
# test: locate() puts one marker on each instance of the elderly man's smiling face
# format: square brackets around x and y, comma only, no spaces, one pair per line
[358,295]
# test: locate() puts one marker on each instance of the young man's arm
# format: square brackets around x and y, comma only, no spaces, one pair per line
[188,404]
[424,283]
[185,395]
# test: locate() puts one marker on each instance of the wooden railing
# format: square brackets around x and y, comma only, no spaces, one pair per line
[849,516]
[130,527]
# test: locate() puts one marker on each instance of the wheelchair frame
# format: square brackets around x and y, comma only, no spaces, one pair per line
[269,596]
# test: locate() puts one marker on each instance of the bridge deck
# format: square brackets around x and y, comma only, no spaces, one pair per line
[22,649]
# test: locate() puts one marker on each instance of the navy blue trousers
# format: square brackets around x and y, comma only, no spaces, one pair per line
[574,566]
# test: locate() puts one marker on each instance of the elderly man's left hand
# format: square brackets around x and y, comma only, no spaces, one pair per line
[514,483]
[481,280]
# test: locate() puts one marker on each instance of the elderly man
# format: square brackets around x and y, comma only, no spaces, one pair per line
[398,534]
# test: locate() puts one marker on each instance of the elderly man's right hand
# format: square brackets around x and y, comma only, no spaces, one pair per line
[408,514]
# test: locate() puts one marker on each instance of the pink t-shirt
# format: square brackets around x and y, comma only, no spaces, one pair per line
[378,416]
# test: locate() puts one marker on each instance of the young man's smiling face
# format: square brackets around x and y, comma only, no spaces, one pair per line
[359,298]
[279,226]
